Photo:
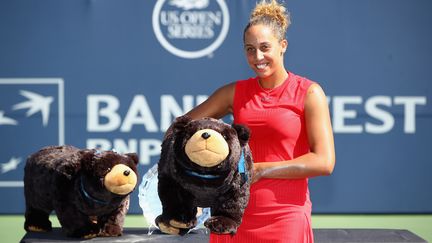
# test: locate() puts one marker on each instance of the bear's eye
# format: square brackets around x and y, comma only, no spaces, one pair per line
[225,136]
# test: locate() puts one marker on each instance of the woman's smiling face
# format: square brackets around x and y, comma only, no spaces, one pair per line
[264,52]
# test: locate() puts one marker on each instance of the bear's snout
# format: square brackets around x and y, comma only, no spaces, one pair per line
[207,148]
[120,180]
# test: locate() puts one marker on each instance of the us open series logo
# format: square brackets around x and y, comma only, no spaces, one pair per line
[191,28]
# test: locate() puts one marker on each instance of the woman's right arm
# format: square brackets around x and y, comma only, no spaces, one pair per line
[218,105]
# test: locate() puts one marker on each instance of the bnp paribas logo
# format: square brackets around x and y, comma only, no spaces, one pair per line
[191,28]
[31,116]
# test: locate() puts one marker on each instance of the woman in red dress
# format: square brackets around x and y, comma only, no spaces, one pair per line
[291,134]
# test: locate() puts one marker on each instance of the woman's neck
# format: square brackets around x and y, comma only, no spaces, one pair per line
[276,79]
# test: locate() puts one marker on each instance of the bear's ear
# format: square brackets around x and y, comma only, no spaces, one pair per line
[134,157]
[181,122]
[178,125]
[243,133]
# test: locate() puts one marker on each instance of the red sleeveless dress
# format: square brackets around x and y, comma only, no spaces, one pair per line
[279,210]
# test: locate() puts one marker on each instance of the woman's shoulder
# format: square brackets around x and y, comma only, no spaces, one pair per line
[250,79]
[230,88]
[245,82]
[301,80]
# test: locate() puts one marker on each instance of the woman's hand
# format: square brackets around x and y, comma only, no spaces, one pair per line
[256,172]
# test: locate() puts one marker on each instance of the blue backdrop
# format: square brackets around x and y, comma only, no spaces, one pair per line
[114,74]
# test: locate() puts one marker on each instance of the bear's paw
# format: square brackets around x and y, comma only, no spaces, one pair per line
[182,225]
[221,225]
[33,228]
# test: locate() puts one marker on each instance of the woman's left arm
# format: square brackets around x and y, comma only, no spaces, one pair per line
[321,158]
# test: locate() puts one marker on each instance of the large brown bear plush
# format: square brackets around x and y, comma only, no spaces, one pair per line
[203,163]
[88,189]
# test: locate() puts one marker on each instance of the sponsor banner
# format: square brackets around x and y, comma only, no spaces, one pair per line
[114,74]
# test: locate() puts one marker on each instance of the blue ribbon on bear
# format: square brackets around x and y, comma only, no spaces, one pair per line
[88,196]
[242,167]
[202,176]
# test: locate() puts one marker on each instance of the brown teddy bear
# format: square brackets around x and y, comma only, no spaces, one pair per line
[203,163]
[88,189]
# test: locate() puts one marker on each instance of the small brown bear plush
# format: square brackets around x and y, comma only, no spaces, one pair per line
[88,189]
[204,163]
